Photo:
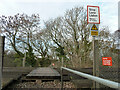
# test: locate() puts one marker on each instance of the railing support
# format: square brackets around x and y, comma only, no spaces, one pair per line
[61,79]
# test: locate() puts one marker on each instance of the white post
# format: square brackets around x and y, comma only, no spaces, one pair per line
[118,36]
[119,15]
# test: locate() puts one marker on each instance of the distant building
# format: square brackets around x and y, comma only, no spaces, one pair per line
[117,43]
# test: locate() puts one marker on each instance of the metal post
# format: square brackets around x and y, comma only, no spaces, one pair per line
[62,75]
[118,41]
[24,59]
[119,15]
[97,59]
[62,62]
[94,65]
[95,62]
[2,39]
[61,79]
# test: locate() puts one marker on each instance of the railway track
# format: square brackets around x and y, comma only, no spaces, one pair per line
[43,78]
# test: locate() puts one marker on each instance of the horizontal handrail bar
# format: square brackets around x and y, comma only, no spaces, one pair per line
[94,78]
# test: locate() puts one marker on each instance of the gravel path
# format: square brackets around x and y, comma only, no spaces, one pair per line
[39,84]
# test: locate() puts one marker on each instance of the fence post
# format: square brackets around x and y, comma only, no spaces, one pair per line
[24,59]
[95,62]
[61,79]
[118,40]
[62,75]
[2,39]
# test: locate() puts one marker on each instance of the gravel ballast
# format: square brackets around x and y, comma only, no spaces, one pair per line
[39,84]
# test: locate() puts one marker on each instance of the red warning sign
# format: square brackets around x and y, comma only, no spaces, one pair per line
[53,64]
[107,61]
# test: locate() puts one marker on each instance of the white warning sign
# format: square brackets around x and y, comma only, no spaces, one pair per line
[93,14]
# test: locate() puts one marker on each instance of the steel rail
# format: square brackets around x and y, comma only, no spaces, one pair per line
[105,82]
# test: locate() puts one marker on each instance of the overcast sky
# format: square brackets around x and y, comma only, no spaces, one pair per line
[53,8]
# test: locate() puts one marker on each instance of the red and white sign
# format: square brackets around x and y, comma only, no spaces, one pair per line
[107,61]
[53,64]
[93,14]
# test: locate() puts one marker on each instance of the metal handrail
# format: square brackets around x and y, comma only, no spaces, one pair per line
[94,78]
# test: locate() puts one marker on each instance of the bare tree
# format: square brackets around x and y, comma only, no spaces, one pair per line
[70,35]
[18,30]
